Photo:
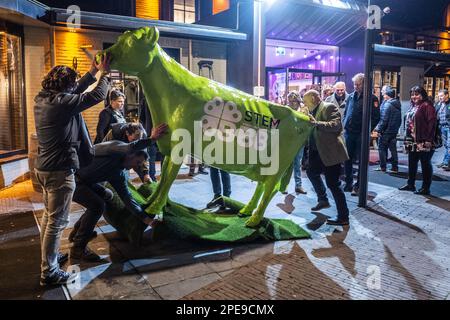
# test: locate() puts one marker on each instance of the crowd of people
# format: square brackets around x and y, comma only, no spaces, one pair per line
[70,167]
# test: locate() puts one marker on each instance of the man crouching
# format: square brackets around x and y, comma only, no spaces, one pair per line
[109,164]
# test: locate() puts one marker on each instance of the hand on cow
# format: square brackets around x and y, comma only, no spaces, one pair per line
[102,66]
[146,178]
[312,120]
[159,131]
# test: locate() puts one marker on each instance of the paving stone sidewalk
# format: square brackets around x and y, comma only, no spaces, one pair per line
[397,249]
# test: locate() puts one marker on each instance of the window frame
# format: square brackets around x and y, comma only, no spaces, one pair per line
[184,11]
[18,31]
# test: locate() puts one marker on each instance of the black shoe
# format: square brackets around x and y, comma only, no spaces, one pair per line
[422,191]
[393,170]
[300,190]
[337,222]
[62,258]
[348,188]
[442,165]
[58,277]
[407,187]
[355,192]
[202,172]
[380,169]
[84,254]
[321,205]
[215,202]
[74,232]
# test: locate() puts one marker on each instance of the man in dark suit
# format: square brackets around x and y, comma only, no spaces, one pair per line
[326,154]
[353,128]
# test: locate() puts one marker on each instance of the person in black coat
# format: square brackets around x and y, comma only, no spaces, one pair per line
[387,128]
[129,132]
[353,128]
[64,144]
[112,114]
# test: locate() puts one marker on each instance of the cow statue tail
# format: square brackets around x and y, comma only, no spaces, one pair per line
[286,178]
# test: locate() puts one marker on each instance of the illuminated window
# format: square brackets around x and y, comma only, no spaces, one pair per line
[147,9]
[184,11]
[220,5]
[12,112]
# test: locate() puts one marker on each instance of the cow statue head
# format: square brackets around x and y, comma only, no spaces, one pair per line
[134,50]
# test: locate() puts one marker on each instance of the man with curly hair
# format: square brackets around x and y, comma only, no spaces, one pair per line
[64,146]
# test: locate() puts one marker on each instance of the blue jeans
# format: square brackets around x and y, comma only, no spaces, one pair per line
[446,141]
[315,169]
[388,141]
[215,179]
[353,144]
[298,168]
[92,197]
[152,150]
[57,190]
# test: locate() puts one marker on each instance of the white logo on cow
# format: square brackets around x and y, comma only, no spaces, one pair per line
[222,117]
[220,120]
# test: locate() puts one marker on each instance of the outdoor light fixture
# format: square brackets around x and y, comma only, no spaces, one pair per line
[280,51]
[292,53]
[318,57]
[305,55]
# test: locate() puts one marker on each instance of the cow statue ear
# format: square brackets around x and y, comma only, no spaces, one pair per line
[151,35]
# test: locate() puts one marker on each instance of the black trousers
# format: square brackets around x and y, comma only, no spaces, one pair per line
[425,163]
[92,198]
[315,169]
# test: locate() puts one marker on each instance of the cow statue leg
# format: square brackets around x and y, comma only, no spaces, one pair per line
[251,205]
[271,187]
[158,199]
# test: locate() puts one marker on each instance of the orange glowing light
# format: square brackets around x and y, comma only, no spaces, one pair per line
[220,5]
[148,9]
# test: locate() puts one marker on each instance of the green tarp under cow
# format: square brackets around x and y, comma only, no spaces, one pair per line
[188,223]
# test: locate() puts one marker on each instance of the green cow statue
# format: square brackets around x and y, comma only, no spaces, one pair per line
[231,130]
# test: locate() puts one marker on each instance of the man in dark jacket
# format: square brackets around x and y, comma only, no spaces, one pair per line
[353,128]
[111,160]
[443,115]
[129,132]
[387,128]
[62,136]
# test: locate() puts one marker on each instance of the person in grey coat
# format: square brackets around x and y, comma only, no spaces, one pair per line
[339,97]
